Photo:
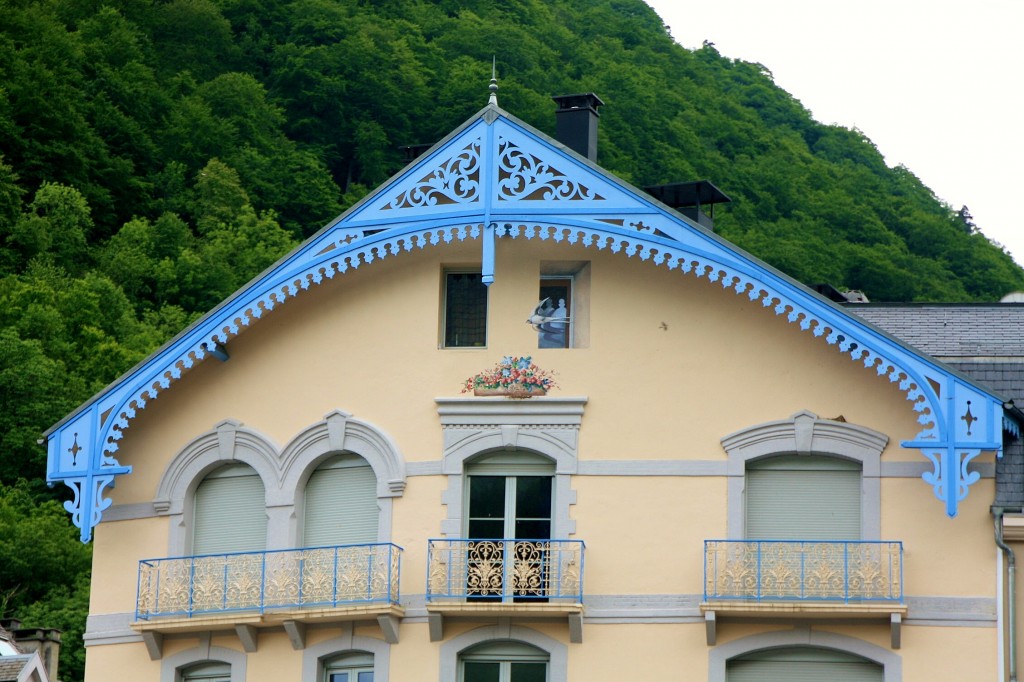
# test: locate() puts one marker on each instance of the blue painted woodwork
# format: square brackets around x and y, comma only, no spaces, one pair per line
[496,178]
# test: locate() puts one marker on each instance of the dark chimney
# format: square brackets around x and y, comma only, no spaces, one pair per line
[576,123]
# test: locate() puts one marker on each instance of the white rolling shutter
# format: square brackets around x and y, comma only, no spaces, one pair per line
[341,504]
[803,498]
[803,664]
[230,512]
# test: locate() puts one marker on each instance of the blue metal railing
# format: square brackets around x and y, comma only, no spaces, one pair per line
[808,570]
[273,579]
[505,569]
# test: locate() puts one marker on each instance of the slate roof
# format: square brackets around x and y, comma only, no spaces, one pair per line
[984,341]
[952,330]
[11,666]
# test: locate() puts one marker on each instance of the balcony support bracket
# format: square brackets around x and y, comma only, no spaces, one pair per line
[296,634]
[248,635]
[576,628]
[436,623]
[154,644]
[895,622]
[389,627]
[709,627]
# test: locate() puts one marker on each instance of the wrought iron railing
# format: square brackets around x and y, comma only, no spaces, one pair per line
[772,570]
[274,579]
[512,570]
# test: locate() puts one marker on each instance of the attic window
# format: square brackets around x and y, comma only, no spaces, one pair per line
[562,315]
[465,310]
[556,311]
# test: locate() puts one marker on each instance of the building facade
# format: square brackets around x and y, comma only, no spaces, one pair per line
[733,478]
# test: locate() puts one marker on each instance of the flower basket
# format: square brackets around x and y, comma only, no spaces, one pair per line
[512,391]
[513,377]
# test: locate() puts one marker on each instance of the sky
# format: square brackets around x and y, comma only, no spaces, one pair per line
[937,85]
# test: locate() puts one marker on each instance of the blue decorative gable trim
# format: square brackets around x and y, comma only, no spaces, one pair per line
[497,178]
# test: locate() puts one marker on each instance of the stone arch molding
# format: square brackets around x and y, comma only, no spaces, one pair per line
[315,656]
[171,667]
[805,433]
[891,662]
[284,472]
[558,658]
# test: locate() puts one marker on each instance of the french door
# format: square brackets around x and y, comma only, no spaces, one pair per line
[508,524]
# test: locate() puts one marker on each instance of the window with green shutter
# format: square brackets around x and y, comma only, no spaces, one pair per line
[341,503]
[803,497]
[802,664]
[230,512]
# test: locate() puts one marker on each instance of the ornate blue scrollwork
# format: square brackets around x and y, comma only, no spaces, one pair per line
[524,177]
[455,181]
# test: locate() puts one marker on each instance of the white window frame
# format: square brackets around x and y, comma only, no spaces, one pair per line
[452,649]
[504,654]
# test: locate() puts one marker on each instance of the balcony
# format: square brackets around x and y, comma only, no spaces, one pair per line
[780,579]
[250,590]
[505,578]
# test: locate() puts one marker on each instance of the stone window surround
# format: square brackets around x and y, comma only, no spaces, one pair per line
[892,663]
[315,657]
[805,433]
[558,658]
[544,425]
[171,667]
[284,473]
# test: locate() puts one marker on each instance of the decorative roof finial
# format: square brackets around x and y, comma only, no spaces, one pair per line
[493,87]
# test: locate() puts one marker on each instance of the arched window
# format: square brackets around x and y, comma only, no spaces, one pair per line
[350,668]
[802,664]
[341,503]
[207,672]
[230,512]
[804,447]
[503,662]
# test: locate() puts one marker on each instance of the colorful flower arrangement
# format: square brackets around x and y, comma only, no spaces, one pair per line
[516,377]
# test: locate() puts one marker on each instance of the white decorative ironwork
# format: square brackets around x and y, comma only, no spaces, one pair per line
[280,579]
[771,570]
[505,569]
[525,177]
[456,181]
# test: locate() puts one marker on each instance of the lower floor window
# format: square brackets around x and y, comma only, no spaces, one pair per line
[795,664]
[207,672]
[504,662]
[355,668]
[351,676]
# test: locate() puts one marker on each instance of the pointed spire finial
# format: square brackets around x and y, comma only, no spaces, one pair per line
[493,87]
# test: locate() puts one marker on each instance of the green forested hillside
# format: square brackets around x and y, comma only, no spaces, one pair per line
[155,155]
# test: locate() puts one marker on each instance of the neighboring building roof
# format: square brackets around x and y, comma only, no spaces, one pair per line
[22,668]
[496,177]
[953,330]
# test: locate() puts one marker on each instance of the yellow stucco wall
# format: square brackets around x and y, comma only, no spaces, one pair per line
[673,364]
